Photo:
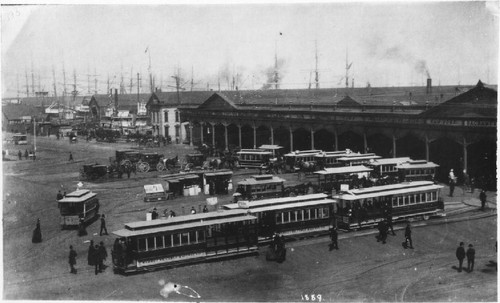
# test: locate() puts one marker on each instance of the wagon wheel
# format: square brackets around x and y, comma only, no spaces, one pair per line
[143,167]
[160,166]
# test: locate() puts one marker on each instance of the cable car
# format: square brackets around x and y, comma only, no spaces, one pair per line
[81,203]
[357,159]
[19,139]
[417,170]
[261,186]
[386,166]
[253,158]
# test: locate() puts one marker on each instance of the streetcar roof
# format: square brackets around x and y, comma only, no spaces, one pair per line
[180,226]
[387,190]
[336,154]
[253,152]
[384,161]
[283,200]
[359,157]
[80,195]
[263,208]
[303,153]
[262,179]
[187,218]
[219,173]
[178,177]
[344,170]
[153,188]
[271,147]
[417,165]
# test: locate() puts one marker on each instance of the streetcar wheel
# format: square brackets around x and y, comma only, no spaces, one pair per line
[146,167]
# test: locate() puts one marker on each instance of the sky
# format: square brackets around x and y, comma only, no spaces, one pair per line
[388,44]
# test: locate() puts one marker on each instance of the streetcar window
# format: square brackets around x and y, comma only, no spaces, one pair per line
[278,218]
[192,237]
[326,212]
[159,242]
[412,199]
[307,214]
[176,239]
[400,201]
[293,215]
[434,196]
[406,200]
[286,217]
[314,213]
[394,201]
[428,197]
[141,244]
[417,198]
[184,238]
[300,215]
[201,236]
[151,244]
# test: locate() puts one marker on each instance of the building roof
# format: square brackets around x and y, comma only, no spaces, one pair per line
[14,111]
[125,101]
[479,101]
[191,98]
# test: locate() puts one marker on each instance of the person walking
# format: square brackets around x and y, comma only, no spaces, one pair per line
[72,259]
[91,253]
[482,198]
[103,254]
[154,214]
[382,232]
[471,254]
[193,211]
[26,154]
[59,196]
[334,237]
[452,180]
[96,258]
[389,224]
[82,231]
[103,226]
[70,157]
[205,209]
[37,233]
[460,253]
[20,155]
[409,241]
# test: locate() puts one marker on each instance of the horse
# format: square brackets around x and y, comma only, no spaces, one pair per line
[217,163]
[171,162]
[305,166]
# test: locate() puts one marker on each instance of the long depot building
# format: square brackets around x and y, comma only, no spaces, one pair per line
[453,127]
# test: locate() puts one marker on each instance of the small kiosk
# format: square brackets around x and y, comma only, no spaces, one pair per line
[155,193]
[182,184]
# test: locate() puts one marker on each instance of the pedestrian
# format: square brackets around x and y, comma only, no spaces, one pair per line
[408,239]
[70,157]
[82,231]
[64,195]
[334,237]
[460,255]
[389,225]
[37,233]
[26,154]
[59,196]
[154,214]
[382,232]
[72,259]
[172,214]
[20,155]
[103,254]
[466,181]
[482,198]
[91,253]
[193,211]
[471,254]
[452,180]
[96,258]
[205,209]
[103,226]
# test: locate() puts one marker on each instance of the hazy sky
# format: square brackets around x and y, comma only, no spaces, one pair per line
[389,44]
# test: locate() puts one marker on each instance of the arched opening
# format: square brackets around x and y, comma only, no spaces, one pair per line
[447,154]
[410,146]
[220,140]
[263,135]
[380,145]
[481,162]
[246,136]
[324,140]
[301,139]
[232,137]
[282,138]
[351,141]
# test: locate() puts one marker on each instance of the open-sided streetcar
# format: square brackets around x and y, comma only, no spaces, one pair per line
[364,207]
[149,245]
[386,166]
[357,159]
[298,215]
[81,203]
[330,158]
[253,158]
[261,186]
[417,170]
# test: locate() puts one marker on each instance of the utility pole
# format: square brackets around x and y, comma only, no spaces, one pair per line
[316,71]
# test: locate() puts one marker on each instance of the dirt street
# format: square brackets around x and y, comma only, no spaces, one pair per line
[361,270]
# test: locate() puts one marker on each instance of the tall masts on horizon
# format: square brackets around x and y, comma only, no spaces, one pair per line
[276,74]
[316,72]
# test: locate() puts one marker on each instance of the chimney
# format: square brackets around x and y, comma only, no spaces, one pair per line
[429,86]
[116,99]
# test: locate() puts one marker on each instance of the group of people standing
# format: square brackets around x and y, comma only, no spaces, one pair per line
[26,154]
[461,254]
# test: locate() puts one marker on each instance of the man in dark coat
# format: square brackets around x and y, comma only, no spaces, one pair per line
[72,259]
[382,231]
[103,254]
[70,156]
[154,214]
[389,224]
[20,155]
[408,236]
[91,253]
[460,255]
[103,226]
[482,198]
[37,233]
[334,237]
[59,196]
[26,154]
[471,254]
[96,258]
[82,231]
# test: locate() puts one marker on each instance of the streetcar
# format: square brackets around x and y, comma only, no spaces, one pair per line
[289,216]
[417,170]
[358,159]
[386,166]
[298,157]
[367,206]
[166,243]
[253,158]
[80,204]
[261,186]
[331,178]
[19,139]
[330,158]
[274,149]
